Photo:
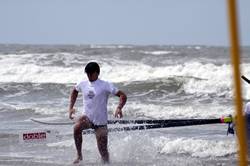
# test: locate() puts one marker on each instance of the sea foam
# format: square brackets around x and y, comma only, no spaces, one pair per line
[197,147]
[213,78]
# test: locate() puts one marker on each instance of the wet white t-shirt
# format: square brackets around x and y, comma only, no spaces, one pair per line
[95,99]
[247,108]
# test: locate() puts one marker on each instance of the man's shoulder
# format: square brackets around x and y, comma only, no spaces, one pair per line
[248,104]
[82,82]
[103,81]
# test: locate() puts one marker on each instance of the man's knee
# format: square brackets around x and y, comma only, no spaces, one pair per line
[81,124]
[101,133]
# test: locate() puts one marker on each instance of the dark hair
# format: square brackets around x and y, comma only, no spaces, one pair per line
[92,67]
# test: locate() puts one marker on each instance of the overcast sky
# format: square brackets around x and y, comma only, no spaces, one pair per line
[178,22]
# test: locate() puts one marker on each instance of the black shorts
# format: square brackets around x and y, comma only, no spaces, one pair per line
[93,126]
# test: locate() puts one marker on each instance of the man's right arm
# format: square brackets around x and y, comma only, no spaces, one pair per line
[73,98]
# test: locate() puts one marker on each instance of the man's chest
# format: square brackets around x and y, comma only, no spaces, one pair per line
[92,92]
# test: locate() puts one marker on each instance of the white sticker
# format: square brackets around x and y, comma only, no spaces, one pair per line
[39,136]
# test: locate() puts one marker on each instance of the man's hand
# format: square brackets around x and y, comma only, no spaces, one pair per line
[123,99]
[118,113]
[71,112]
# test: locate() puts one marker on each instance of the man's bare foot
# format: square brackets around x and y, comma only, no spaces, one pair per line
[77,160]
[105,162]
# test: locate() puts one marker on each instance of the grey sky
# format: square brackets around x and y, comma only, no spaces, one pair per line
[119,22]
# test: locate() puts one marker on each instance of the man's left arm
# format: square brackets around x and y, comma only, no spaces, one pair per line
[122,102]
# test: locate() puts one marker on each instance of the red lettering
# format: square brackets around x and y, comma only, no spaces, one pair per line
[34,136]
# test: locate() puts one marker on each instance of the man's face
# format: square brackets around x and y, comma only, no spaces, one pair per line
[92,76]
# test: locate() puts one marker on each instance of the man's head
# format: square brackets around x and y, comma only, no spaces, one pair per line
[92,70]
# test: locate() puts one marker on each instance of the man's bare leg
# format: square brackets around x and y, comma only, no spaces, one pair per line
[81,124]
[102,143]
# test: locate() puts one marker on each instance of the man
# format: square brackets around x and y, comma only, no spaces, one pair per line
[95,98]
[247,116]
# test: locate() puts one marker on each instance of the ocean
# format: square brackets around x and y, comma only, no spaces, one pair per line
[161,82]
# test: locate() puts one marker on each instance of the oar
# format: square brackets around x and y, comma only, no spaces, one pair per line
[245,79]
[165,121]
